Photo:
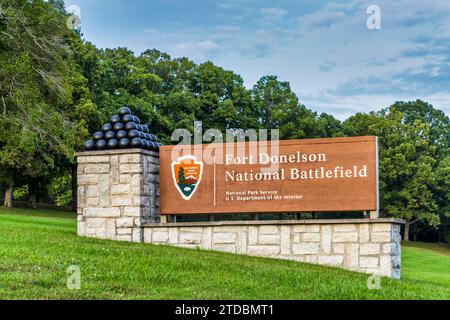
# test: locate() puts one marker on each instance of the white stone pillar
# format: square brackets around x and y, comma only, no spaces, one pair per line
[118,192]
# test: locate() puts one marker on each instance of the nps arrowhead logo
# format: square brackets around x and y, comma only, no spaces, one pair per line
[187,174]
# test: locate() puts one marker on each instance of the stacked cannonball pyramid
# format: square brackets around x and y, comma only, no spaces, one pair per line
[124,131]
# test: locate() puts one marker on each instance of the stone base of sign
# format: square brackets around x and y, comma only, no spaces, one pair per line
[363,245]
[118,199]
[118,192]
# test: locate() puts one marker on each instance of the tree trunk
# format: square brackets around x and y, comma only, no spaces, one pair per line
[406,235]
[74,188]
[32,190]
[8,201]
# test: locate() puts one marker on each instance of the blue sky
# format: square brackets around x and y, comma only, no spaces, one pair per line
[333,62]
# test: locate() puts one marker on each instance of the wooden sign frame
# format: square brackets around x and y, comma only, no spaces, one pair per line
[331,174]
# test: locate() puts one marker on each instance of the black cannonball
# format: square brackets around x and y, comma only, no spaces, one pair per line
[153,137]
[118,126]
[147,136]
[107,127]
[145,144]
[141,135]
[121,134]
[100,144]
[110,135]
[155,146]
[136,119]
[127,118]
[145,128]
[124,143]
[89,145]
[133,134]
[136,143]
[98,136]
[115,119]
[151,145]
[113,143]
[130,126]
[124,111]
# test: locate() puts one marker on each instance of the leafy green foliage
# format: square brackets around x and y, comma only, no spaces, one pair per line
[414,160]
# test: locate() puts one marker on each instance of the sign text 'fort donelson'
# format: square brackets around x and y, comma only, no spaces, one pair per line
[333,174]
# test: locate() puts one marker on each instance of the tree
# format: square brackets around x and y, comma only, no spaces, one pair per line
[181,177]
[36,89]
[275,106]
[412,137]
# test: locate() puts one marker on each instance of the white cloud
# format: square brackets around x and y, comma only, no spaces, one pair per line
[273,13]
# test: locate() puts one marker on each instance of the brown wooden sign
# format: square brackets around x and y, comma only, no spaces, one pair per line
[335,174]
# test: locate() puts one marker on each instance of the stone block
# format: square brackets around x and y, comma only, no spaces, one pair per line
[336,260]
[311,237]
[190,237]
[87,179]
[224,237]
[136,236]
[92,202]
[307,228]
[117,201]
[268,230]
[339,248]
[344,227]
[153,168]
[130,158]
[120,189]
[364,233]
[351,259]
[101,212]
[93,159]
[269,239]
[111,228]
[81,197]
[326,239]
[173,235]
[132,211]
[285,239]
[95,223]
[123,231]
[123,237]
[366,249]
[160,236]
[206,238]
[81,228]
[131,168]
[345,237]
[104,191]
[368,262]
[305,248]
[125,178]
[148,232]
[97,168]
[381,227]
[380,237]
[92,192]
[386,265]
[230,248]
[252,235]
[263,250]
[124,222]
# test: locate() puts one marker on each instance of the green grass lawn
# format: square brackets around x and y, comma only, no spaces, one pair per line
[36,247]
